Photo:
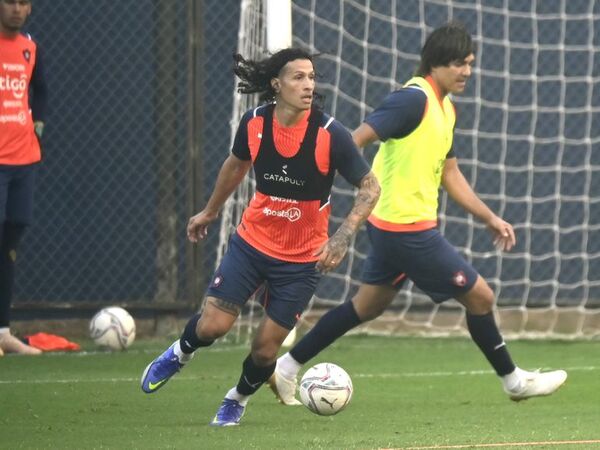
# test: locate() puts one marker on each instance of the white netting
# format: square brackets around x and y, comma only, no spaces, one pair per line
[252,41]
[527,127]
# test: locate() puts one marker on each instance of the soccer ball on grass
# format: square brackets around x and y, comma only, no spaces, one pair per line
[113,327]
[326,389]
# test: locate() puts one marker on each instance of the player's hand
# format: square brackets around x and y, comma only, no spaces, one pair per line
[504,235]
[331,253]
[38,128]
[197,227]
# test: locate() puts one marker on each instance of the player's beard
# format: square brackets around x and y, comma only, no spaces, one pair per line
[13,24]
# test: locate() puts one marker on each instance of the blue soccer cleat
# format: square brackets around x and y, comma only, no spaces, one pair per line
[229,414]
[159,371]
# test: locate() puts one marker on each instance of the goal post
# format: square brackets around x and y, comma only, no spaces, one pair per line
[527,126]
[265,27]
[279,24]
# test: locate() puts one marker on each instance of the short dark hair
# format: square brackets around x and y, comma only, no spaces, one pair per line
[450,42]
[256,75]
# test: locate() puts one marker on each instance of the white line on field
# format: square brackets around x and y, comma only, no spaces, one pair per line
[452,374]
[356,375]
[504,444]
[136,351]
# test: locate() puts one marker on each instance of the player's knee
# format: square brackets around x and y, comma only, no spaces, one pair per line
[216,319]
[9,240]
[264,355]
[480,300]
[211,330]
[369,312]
[483,305]
[368,308]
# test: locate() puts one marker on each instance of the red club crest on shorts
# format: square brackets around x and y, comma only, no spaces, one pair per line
[459,279]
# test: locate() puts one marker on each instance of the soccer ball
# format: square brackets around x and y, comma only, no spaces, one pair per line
[112,327]
[326,389]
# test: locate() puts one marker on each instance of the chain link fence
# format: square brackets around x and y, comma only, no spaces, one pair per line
[138,125]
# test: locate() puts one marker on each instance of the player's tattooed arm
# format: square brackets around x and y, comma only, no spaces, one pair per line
[365,201]
[336,247]
[225,306]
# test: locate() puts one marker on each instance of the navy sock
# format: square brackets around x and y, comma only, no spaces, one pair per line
[253,376]
[189,341]
[330,327]
[10,236]
[486,335]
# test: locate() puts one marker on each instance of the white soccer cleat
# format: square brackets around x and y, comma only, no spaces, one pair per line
[284,389]
[537,384]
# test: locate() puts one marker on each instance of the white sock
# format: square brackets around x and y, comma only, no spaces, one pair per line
[233,394]
[183,357]
[288,366]
[513,381]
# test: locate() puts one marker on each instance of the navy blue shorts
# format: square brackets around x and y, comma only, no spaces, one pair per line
[286,287]
[425,257]
[16,193]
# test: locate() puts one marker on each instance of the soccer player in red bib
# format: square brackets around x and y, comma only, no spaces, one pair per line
[21,125]
[415,125]
[281,244]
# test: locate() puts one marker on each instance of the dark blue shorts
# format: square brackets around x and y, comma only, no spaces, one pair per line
[286,288]
[16,193]
[425,257]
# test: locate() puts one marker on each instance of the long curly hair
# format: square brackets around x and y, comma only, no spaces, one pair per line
[256,76]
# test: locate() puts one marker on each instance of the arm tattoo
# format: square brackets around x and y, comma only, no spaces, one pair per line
[365,201]
[225,306]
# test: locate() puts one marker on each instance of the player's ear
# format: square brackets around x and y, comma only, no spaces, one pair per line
[275,85]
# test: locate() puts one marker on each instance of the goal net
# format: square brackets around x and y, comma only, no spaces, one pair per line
[526,127]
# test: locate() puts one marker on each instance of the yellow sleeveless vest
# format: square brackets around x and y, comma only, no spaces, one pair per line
[409,169]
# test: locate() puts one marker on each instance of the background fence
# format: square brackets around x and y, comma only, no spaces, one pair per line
[139,123]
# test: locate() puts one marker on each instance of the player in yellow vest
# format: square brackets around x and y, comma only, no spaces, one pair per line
[415,125]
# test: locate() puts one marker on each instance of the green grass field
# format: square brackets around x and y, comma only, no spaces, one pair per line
[409,393]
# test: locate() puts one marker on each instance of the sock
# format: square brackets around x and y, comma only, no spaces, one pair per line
[486,335]
[183,357]
[189,341]
[288,366]
[11,236]
[512,381]
[253,376]
[233,394]
[330,327]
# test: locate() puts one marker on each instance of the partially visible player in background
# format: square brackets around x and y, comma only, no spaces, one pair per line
[415,125]
[282,241]
[21,126]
